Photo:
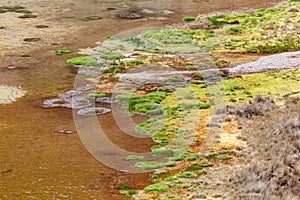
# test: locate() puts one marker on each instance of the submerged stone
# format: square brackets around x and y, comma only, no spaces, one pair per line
[131,15]
[93,111]
[108,100]
[79,103]
[88,72]
[69,94]
[51,103]
[65,131]
[68,101]
[85,88]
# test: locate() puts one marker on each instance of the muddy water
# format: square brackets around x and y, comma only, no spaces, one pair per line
[35,161]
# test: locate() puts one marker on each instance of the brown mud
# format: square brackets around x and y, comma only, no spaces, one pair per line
[36,162]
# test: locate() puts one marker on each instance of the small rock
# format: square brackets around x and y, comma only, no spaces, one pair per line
[42,26]
[293,9]
[31,39]
[228,119]
[198,196]
[65,131]
[221,110]
[213,125]
[11,67]
[217,196]
[239,148]
[218,118]
[28,16]
[132,15]
[111,8]
[92,18]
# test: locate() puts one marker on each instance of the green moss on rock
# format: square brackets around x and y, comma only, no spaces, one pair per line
[83,60]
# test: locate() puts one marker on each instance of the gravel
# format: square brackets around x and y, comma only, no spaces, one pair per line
[274,62]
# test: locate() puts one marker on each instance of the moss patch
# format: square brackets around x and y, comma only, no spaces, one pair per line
[199,166]
[96,95]
[111,55]
[148,104]
[269,30]
[84,60]
[154,165]
[63,51]
[188,18]
[113,69]
[133,157]
[157,187]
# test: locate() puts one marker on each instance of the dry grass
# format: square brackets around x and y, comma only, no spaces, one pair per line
[270,167]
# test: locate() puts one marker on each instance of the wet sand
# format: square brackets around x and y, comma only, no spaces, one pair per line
[36,162]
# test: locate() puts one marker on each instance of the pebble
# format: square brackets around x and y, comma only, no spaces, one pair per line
[11,67]
[31,39]
[65,131]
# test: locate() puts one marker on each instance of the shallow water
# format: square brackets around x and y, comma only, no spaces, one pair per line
[35,160]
